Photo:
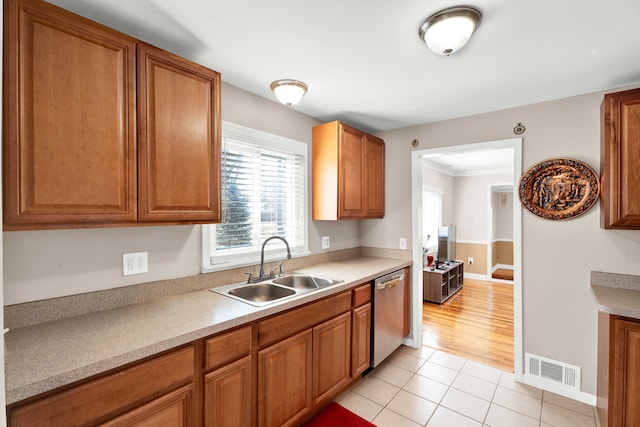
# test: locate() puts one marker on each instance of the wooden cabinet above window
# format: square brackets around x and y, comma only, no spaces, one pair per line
[620,160]
[348,173]
[75,154]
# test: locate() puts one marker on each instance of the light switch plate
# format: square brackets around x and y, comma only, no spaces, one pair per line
[135,263]
[326,242]
[403,243]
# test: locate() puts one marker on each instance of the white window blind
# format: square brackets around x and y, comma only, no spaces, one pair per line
[263,195]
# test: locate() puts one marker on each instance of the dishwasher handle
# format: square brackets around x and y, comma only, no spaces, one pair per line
[389,284]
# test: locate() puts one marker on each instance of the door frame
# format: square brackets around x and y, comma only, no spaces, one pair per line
[506,187]
[415,338]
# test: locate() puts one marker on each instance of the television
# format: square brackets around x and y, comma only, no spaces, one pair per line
[447,243]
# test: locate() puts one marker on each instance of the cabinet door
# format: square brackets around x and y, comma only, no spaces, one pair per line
[374,177]
[331,356]
[361,340]
[179,138]
[69,134]
[620,160]
[284,381]
[350,174]
[111,394]
[171,410]
[624,373]
[227,395]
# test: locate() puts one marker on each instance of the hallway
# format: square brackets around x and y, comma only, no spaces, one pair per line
[476,324]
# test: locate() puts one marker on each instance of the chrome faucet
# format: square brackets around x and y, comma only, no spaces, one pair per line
[261,275]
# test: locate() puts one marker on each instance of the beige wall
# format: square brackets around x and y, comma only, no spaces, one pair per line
[502,253]
[502,216]
[47,264]
[559,312]
[479,253]
[470,206]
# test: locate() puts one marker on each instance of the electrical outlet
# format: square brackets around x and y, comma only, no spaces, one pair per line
[326,242]
[135,263]
[470,260]
[403,243]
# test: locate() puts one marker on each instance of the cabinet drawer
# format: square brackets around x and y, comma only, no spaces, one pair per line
[174,409]
[227,347]
[283,325]
[109,395]
[361,295]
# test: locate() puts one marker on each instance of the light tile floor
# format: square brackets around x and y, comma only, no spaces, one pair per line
[426,387]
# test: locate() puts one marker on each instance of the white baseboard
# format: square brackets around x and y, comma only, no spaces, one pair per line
[580,396]
[501,266]
[476,276]
[409,342]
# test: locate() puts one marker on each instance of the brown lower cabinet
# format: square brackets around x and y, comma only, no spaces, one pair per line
[285,381]
[227,395]
[276,371]
[618,371]
[159,389]
[172,409]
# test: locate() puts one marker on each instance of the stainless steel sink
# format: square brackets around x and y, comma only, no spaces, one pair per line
[274,290]
[305,282]
[261,292]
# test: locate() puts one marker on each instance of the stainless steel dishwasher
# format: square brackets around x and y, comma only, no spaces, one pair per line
[388,317]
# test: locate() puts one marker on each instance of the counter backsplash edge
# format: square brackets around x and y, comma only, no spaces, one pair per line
[35,312]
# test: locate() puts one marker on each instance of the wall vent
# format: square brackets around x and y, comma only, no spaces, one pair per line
[553,371]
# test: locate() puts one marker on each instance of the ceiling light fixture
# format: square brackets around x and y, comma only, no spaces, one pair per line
[449,30]
[288,91]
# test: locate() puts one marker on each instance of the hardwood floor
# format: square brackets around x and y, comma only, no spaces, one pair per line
[476,323]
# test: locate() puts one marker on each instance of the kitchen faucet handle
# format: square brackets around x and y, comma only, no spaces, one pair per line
[272,272]
[281,272]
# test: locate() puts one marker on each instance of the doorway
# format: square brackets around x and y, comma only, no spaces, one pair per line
[471,151]
[500,232]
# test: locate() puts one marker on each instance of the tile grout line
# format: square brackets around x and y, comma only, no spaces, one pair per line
[450,386]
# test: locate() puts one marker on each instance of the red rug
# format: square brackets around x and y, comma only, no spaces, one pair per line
[335,415]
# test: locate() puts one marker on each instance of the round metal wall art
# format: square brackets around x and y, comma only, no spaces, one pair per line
[559,189]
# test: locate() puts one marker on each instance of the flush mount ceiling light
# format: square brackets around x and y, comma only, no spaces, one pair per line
[288,91]
[449,30]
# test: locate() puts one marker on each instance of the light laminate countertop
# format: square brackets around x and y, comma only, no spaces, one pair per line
[617,294]
[42,357]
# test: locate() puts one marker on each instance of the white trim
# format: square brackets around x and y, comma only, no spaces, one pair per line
[503,266]
[477,276]
[518,329]
[472,242]
[414,339]
[275,143]
[416,190]
[449,172]
[502,240]
[491,190]
[484,172]
[580,396]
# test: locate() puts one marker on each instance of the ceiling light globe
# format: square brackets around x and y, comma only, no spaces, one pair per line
[289,92]
[449,30]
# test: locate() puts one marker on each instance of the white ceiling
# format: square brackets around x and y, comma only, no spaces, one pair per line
[461,163]
[365,65]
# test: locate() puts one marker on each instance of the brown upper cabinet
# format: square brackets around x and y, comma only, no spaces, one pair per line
[348,173]
[620,161]
[101,129]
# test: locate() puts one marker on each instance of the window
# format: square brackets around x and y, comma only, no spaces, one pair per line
[431,217]
[264,181]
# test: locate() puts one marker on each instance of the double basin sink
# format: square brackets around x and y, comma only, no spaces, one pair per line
[276,289]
